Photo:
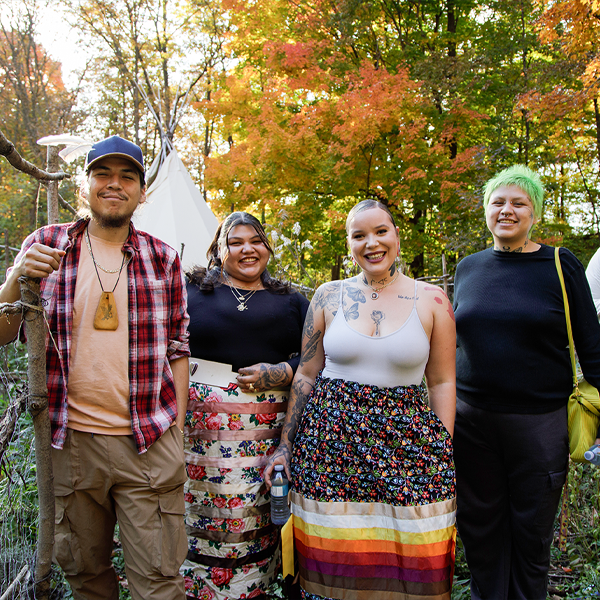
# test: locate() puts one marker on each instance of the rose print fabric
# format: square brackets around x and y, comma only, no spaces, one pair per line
[232,544]
[373,495]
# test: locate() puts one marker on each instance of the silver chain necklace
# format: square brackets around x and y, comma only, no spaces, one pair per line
[89,245]
[375,293]
[237,294]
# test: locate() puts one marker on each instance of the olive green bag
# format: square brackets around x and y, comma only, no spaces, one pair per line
[583,408]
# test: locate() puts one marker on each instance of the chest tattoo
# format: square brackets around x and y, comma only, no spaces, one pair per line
[377,317]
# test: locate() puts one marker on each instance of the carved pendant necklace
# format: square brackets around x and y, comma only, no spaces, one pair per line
[375,292]
[237,294]
[106,314]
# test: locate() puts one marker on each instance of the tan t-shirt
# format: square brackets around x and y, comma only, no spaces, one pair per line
[98,386]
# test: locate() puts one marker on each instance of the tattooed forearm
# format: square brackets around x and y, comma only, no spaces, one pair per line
[301,389]
[299,394]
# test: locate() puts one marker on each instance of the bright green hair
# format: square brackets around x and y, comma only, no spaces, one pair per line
[521,176]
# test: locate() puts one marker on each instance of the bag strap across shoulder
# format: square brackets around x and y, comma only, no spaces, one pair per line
[567,315]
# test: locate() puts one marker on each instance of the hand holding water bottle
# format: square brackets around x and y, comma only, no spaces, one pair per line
[280,509]
[593,454]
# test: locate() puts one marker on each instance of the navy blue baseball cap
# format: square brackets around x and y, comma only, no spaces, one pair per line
[115,146]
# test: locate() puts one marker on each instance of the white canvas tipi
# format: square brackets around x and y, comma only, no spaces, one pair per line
[176,213]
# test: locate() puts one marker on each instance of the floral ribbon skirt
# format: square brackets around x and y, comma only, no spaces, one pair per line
[373,495]
[232,544]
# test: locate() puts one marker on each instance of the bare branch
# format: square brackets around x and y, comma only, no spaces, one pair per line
[23,574]
[66,205]
[6,308]
[8,150]
[9,420]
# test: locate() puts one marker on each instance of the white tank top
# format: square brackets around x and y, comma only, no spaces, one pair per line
[398,358]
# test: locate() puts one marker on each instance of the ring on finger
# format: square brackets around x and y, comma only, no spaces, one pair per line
[251,387]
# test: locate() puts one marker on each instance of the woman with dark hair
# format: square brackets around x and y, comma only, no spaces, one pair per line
[371,463]
[513,379]
[245,333]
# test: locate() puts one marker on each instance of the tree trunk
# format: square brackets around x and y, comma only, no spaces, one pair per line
[38,407]
[597,119]
[51,167]
[6,253]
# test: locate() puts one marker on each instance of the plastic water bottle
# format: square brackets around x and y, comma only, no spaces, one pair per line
[593,455]
[280,509]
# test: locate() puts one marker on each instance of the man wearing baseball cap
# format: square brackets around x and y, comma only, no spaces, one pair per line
[117,373]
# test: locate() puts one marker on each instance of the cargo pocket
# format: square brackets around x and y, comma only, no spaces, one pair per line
[546,512]
[67,551]
[172,539]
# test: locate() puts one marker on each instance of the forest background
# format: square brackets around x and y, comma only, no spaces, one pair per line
[307,106]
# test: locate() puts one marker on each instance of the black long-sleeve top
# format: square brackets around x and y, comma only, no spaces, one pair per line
[512,343]
[269,331]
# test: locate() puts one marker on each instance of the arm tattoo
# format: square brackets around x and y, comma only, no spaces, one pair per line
[310,337]
[282,450]
[327,297]
[300,392]
[309,323]
[439,300]
[310,347]
[377,317]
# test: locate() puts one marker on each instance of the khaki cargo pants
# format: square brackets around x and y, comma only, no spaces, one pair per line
[101,479]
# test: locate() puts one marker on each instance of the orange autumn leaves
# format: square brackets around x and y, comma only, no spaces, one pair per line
[304,125]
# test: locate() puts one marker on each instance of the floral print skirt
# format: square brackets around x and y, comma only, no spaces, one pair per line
[373,495]
[232,544]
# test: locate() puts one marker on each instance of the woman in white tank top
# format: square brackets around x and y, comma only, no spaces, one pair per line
[373,487]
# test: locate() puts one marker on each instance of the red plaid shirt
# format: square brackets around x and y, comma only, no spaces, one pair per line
[158,322]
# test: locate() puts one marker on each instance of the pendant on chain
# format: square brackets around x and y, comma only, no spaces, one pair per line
[374,295]
[242,306]
[106,314]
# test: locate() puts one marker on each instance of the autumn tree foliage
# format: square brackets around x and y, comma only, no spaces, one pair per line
[308,106]
[568,112]
[413,103]
[34,102]
[322,113]
[150,58]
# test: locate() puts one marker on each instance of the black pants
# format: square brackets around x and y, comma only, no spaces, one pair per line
[510,469]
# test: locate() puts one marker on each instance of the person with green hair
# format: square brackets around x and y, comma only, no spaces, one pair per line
[513,379]
[525,179]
